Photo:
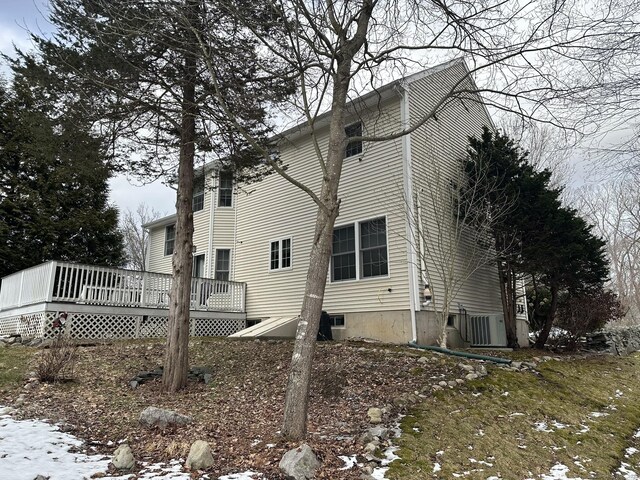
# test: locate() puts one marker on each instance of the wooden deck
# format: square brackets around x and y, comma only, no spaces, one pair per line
[102,302]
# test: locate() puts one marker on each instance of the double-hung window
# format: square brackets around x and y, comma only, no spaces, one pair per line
[355,147]
[198,193]
[225,189]
[169,239]
[280,254]
[222,269]
[359,250]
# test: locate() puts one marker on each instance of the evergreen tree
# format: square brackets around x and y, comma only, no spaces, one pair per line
[539,239]
[53,185]
[174,83]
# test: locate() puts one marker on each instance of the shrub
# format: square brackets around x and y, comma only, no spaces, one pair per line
[579,314]
[58,361]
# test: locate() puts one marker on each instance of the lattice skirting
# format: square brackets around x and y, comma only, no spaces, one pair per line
[109,326]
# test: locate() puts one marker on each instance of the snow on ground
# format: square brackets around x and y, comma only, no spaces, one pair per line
[29,448]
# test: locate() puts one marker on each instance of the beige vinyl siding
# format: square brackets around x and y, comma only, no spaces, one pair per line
[158,262]
[442,143]
[275,209]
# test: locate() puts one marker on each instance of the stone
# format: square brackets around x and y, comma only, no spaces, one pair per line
[459,381]
[41,477]
[133,384]
[10,340]
[436,387]
[423,360]
[452,383]
[200,456]
[371,447]
[299,463]
[20,400]
[208,378]
[379,431]
[471,376]
[123,458]
[481,370]
[159,417]
[466,366]
[516,364]
[443,384]
[375,415]
[35,342]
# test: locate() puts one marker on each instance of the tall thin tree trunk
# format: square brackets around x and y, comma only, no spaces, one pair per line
[543,336]
[507,295]
[176,358]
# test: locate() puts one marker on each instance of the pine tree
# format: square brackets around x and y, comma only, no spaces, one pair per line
[53,185]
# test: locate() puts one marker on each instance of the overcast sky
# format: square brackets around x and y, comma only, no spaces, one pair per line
[17,17]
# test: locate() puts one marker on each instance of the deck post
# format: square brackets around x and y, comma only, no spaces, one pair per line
[52,278]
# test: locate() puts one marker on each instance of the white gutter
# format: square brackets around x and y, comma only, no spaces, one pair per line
[407,181]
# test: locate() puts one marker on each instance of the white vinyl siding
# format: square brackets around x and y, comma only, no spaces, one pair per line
[273,206]
[443,143]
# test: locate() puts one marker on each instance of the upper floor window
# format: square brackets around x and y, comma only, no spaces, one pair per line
[359,250]
[280,254]
[353,148]
[198,193]
[225,189]
[169,239]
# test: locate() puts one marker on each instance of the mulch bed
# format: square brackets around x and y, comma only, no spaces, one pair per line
[240,412]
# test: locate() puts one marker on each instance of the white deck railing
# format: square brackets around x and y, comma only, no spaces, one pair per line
[85,284]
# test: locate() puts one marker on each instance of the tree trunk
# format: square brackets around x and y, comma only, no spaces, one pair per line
[176,358]
[508,297]
[543,336]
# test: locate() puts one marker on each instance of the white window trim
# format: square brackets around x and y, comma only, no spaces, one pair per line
[233,203]
[280,268]
[215,257]
[359,277]
[164,244]
[361,152]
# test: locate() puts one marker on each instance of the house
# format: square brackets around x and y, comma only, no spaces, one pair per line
[261,234]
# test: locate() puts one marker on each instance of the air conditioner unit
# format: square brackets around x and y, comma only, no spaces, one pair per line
[487,330]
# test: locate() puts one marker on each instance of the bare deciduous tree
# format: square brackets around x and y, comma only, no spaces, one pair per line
[136,238]
[614,210]
[336,50]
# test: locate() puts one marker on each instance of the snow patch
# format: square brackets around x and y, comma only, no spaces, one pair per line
[349,461]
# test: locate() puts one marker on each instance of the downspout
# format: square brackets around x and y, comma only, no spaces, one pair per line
[407,181]
[209,266]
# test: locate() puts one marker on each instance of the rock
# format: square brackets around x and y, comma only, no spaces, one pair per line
[371,447]
[437,387]
[158,417]
[10,340]
[123,458]
[423,360]
[466,366]
[208,378]
[35,342]
[379,431]
[471,376]
[516,364]
[452,383]
[459,381]
[481,370]
[133,384]
[200,456]
[529,364]
[375,415]
[299,463]
[20,400]
[41,477]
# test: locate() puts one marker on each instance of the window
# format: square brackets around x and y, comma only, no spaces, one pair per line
[225,189]
[198,194]
[373,248]
[223,269]
[198,266]
[280,254]
[223,263]
[353,148]
[169,239]
[359,251]
[343,255]
[451,321]
[337,320]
